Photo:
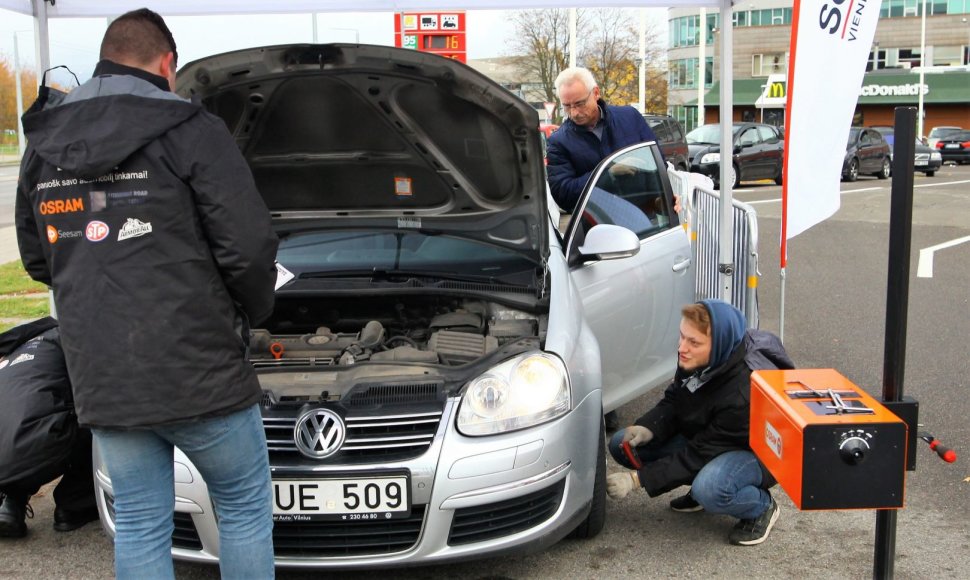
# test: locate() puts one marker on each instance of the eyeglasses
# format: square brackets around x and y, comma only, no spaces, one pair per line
[578,104]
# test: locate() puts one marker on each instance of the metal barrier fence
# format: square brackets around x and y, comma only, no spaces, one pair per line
[701,209]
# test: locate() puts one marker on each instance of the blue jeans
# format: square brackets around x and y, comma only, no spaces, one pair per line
[230,453]
[729,484]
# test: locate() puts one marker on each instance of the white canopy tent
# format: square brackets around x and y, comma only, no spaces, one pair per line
[43,10]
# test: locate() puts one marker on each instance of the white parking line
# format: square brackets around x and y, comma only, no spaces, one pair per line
[848,191]
[842,192]
[944,183]
[925,267]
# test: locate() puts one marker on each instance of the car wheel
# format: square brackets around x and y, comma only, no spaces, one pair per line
[886,169]
[929,173]
[593,523]
[735,176]
[780,180]
[853,173]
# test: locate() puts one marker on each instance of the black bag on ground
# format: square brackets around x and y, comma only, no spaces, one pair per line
[37,420]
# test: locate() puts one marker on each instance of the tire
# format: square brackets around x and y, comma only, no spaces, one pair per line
[853,173]
[593,524]
[780,180]
[735,176]
[886,169]
[929,173]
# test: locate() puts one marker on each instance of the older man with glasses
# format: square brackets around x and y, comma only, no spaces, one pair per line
[592,132]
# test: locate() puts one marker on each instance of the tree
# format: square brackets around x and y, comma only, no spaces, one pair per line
[608,46]
[541,43]
[611,51]
[8,93]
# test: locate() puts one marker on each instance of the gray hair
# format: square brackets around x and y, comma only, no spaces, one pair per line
[575,73]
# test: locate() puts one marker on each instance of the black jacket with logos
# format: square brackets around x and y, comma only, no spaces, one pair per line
[715,418]
[138,209]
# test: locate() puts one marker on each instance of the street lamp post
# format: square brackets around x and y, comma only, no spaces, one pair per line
[922,69]
[21,142]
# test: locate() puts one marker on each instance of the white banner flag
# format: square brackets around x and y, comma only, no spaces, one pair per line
[830,45]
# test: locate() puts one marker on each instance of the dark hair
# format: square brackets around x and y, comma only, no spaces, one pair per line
[140,36]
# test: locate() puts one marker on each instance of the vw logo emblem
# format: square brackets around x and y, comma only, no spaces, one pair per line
[319,433]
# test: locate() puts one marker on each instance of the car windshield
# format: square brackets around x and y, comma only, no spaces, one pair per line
[355,253]
[938,132]
[708,134]
[957,136]
[854,135]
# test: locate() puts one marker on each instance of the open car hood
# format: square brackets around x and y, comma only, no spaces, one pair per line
[355,136]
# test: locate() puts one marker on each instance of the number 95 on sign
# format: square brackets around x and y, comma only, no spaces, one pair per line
[341,499]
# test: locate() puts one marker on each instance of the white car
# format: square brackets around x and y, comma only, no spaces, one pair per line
[436,371]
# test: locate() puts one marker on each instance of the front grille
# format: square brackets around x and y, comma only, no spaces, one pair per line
[369,438]
[184,536]
[480,523]
[342,538]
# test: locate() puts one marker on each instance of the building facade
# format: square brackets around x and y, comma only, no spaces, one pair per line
[761,39]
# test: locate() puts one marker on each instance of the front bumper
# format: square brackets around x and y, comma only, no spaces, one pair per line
[712,170]
[472,497]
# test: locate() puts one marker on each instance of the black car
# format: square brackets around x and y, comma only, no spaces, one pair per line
[927,159]
[955,147]
[670,137]
[866,153]
[759,152]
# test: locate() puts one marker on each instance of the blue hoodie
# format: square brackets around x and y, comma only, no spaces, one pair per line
[727,330]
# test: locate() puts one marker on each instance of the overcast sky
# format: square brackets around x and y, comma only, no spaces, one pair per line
[75,41]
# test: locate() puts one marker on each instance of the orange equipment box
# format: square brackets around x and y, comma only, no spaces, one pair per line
[828,443]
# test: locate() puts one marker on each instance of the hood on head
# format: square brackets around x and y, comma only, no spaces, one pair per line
[372,136]
[727,330]
[101,123]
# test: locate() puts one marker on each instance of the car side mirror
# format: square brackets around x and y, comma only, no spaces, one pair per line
[609,242]
[738,148]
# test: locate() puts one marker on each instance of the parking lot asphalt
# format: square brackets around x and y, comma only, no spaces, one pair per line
[835,315]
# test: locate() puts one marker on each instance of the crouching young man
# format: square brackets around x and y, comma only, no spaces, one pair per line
[697,434]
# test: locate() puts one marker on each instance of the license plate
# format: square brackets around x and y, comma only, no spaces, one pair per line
[360,498]
[952,146]
[922,162]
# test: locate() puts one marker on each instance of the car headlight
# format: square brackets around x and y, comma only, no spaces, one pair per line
[935,155]
[711,158]
[521,392]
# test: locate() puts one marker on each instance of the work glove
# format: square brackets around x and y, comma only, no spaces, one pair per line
[637,435]
[618,485]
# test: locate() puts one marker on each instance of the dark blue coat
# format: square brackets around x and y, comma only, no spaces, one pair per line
[574,152]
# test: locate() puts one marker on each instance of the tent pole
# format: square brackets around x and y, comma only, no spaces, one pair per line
[726,264]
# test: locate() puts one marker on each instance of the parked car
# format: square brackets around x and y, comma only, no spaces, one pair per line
[927,159]
[436,372]
[866,153]
[758,152]
[936,133]
[955,147]
[670,135]
[545,131]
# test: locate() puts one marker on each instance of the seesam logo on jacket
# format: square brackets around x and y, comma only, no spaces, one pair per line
[134,228]
[54,234]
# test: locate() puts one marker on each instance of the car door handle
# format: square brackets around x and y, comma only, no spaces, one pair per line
[682,265]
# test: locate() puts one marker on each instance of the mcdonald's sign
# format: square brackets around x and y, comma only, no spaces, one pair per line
[776,90]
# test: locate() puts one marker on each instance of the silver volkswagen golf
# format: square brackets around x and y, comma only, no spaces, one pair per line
[440,357]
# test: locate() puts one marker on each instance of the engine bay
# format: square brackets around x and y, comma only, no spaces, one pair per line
[343,331]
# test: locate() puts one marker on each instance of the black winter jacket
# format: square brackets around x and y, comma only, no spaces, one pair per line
[715,418]
[137,207]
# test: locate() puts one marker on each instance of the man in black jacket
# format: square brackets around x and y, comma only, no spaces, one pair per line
[138,209]
[39,437]
[697,434]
